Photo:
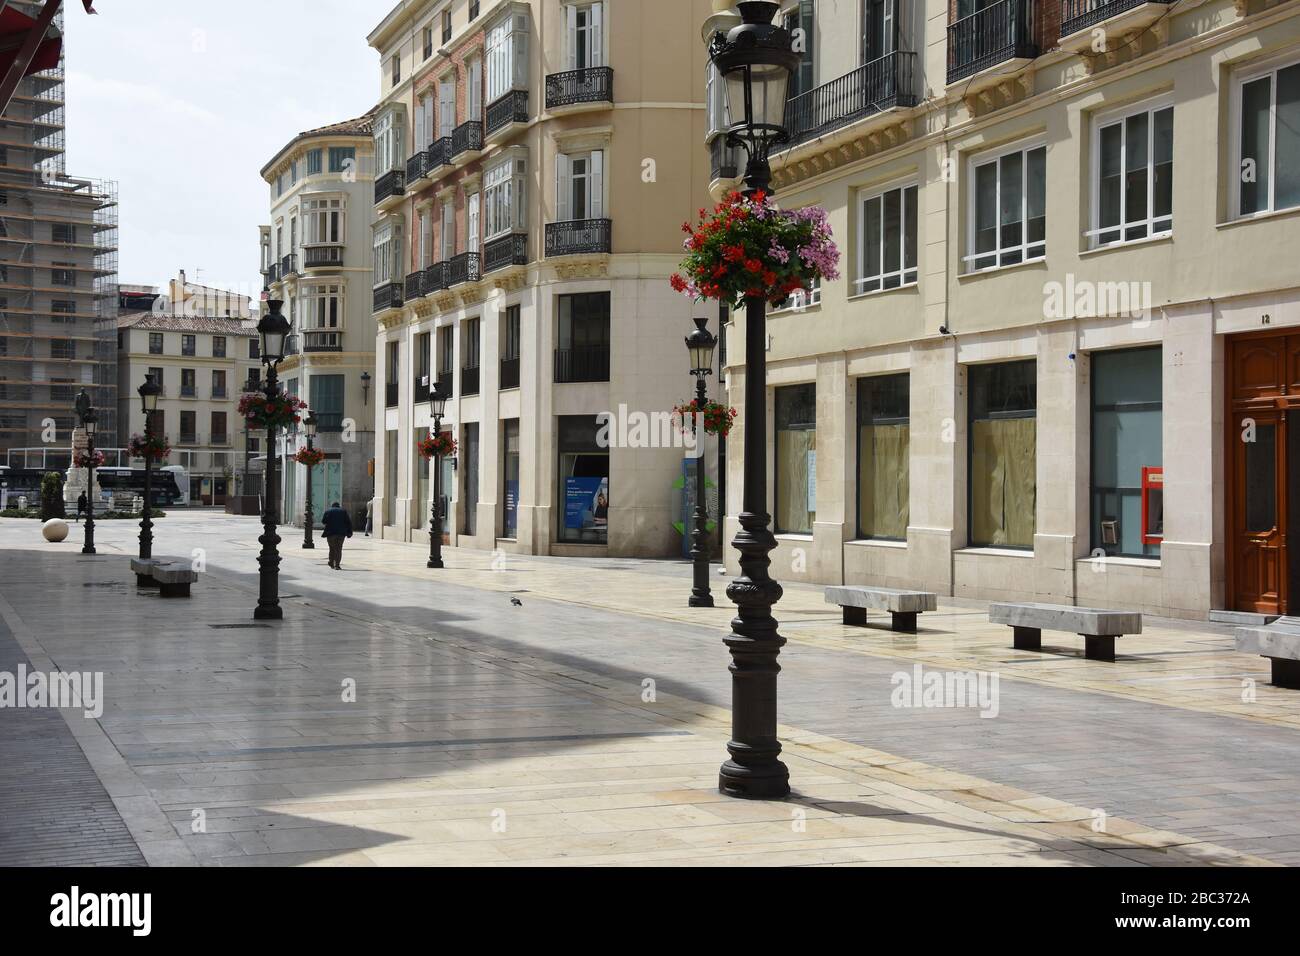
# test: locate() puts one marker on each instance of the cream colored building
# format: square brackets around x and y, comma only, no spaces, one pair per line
[1058,364]
[534,162]
[316,258]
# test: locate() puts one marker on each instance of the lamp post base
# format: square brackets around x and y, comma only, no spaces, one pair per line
[698,600]
[431,563]
[309,545]
[268,613]
[769,782]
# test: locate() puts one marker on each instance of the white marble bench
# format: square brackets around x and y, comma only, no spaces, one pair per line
[1098,626]
[903,606]
[172,576]
[1280,643]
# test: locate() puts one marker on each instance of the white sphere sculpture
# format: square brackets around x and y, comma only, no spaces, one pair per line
[56,529]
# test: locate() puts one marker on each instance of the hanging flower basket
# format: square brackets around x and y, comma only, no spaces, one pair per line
[153,447]
[441,444]
[748,248]
[311,457]
[281,411]
[82,460]
[718,418]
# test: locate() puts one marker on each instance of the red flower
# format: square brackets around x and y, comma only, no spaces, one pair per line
[677,282]
[753,265]
[769,278]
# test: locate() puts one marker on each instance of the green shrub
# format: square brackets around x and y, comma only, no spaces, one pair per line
[52,496]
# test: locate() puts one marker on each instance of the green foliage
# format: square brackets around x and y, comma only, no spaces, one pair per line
[52,496]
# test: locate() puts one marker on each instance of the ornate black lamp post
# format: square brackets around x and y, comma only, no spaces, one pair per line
[365,388]
[309,425]
[273,329]
[437,405]
[148,393]
[700,344]
[755,60]
[89,421]
[250,386]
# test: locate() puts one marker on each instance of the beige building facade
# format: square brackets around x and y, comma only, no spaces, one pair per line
[1057,364]
[534,162]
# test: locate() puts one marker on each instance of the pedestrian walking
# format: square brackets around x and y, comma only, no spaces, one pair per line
[337,526]
[81,505]
[370,513]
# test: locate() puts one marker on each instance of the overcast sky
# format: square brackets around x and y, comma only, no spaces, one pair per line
[183,101]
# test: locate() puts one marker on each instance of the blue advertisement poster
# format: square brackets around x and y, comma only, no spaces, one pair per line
[582,505]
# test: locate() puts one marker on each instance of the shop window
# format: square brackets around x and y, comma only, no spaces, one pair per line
[1003,447]
[883,433]
[796,459]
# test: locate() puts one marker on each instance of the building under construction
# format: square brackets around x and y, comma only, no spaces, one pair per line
[58,277]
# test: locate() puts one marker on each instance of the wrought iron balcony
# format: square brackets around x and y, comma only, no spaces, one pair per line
[388,296]
[421,385]
[508,250]
[417,166]
[509,108]
[390,395]
[872,88]
[323,256]
[392,183]
[469,379]
[578,237]
[435,278]
[447,381]
[509,373]
[439,155]
[589,364]
[289,266]
[414,285]
[1079,15]
[272,273]
[724,160]
[463,268]
[594,84]
[1003,31]
[329,421]
[320,341]
[467,138]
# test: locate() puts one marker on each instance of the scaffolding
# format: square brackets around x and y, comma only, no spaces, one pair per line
[58,274]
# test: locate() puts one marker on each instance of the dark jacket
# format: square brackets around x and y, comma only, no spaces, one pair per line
[337,523]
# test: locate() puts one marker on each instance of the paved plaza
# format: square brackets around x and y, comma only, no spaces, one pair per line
[405,716]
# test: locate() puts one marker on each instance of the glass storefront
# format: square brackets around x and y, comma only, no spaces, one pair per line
[584,498]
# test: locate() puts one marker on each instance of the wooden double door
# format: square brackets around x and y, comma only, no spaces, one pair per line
[1263,471]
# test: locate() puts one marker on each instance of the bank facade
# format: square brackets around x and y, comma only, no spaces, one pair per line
[1061,361]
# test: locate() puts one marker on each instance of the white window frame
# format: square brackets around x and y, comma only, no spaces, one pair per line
[388,142]
[593,184]
[802,300]
[426,238]
[865,196]
[446,105]
[591,34]
[325,219]
[388,252]
[505,58]
[447,233]
[1023,147]
[1239,80]
[504,187]
[317,313]
[1121,117]
[472,221]
[474,89]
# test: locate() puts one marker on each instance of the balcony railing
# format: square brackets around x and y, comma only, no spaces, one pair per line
[388,296]
[188,391]
[322,341]
[724,160]
[414,285]
[392,183]
[590,364]
[593,84]
[439,154]
[188,438]
[510,250]
[390,395]
[1003,31]
[447,381]
[463,268]
[872,88]
[467,137]
[1079,15]
[435,278]
[417,165]
[329,421]
[509,108]
[218,392]
[322,256]
[577,237]
[289,266]
[272,273]
[510,373]
[219,439]
[421,385]
[469,379]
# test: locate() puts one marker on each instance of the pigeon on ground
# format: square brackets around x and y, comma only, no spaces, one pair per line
[516,602]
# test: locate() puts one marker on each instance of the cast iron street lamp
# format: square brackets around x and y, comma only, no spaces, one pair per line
[309,425]
[272,329]
[365,388]
[250,386]
[437,405]
[755,60]
[89,420]
[148,393]
[700,345]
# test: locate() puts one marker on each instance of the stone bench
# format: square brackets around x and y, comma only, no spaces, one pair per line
[1280,643]
[172,576]
[903,606]
[1097,626]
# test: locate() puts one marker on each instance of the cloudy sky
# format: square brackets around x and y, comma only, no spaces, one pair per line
[183,101]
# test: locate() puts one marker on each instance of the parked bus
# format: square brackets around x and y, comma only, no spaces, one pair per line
[169,488]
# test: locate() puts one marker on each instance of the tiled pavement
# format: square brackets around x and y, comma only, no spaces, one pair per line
[471,712]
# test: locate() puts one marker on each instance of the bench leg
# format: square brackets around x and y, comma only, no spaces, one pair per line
[1099,647]
[904,621]
[144,581]
[1026,638]
[1286,673]
[174,590]
[855,615]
